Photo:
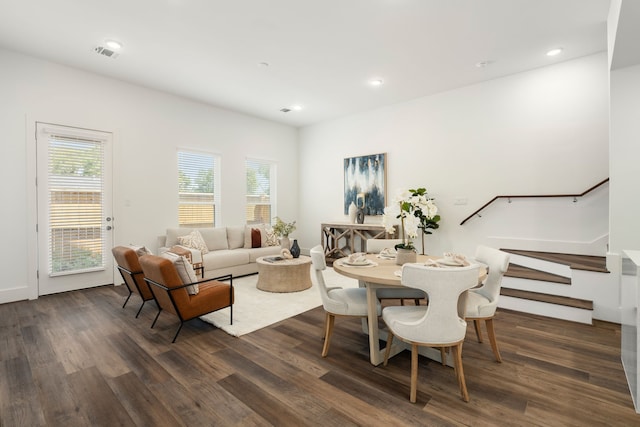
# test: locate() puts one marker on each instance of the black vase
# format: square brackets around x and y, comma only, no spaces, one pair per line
[295,249]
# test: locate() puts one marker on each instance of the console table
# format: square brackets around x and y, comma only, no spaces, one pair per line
[340,239]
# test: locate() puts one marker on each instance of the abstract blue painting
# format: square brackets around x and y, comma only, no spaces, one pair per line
[365,179]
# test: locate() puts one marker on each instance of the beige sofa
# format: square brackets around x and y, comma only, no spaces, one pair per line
[229,251]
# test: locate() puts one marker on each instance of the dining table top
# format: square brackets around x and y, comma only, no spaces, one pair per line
[384,271]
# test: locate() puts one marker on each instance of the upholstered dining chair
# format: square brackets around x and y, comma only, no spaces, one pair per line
[350,302]
[131,272]
[375,246]
[185,297]
[441,324]
[482,302]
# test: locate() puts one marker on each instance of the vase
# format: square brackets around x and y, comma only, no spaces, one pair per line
[352,212]
[404,256]
[295,249]
[285,243]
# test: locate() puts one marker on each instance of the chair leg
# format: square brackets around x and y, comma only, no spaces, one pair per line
[414,373]
[492,339]
[328,330]
[416,301]
[443,356]
[177,332]
[478,326]
[457,355]
[127,300]
[387,350]
[140,309]
[157,315]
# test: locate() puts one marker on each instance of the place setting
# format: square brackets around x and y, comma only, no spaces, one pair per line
[387,253]
[357,259]
[448,260]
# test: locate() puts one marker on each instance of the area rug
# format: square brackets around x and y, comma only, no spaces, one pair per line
[255,309]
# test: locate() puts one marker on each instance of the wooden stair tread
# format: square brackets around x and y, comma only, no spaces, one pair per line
[522,272]
[551,299]
[577,262]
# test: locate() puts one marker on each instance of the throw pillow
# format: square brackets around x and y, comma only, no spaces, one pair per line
[256,238]
[272,237]
[247,234]
[194,240]
[171,238]
[140,250]
[185,271]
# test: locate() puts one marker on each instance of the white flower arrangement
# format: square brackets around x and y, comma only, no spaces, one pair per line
[416,210]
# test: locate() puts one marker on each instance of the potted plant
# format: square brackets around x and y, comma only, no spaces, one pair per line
[282,230]
[416,210]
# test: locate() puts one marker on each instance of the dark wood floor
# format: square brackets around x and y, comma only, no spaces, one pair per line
[79,359]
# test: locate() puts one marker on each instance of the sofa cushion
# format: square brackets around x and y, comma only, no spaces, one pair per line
[224,258]
[184,269]
[174,233]
[235,236]
[215,238]
[194,240]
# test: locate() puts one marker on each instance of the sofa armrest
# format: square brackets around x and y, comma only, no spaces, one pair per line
[161,244]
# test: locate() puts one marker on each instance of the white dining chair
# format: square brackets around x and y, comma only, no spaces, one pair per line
[350,302]
[482,302]
[375,246]
[440,324]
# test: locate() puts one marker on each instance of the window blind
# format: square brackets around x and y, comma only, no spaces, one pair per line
[260,176]
[198,195]
[76,205]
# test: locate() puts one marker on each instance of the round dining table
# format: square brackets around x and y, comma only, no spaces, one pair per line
[380,272]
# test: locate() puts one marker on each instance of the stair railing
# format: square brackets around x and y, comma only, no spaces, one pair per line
[521,196]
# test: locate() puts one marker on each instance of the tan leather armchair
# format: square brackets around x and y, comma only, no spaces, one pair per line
[171,293]
[132,274]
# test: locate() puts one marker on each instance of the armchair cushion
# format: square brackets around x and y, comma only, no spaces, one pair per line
[185,271]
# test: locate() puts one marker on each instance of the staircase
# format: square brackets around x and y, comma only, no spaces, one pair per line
[562,286]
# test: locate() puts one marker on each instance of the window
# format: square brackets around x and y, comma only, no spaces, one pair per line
[76,205]
[198,189]
[260,191]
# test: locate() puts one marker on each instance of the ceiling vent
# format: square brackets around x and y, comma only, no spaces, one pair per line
[106,52]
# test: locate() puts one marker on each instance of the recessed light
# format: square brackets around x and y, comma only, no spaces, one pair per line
[296,107]
[554,52]
[376,82]
[483,64]
[112,44]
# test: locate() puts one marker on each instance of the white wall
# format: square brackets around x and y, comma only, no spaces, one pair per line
[540,132]
[625,159]
[148,127]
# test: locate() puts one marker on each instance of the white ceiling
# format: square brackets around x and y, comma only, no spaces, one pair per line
[321,53]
